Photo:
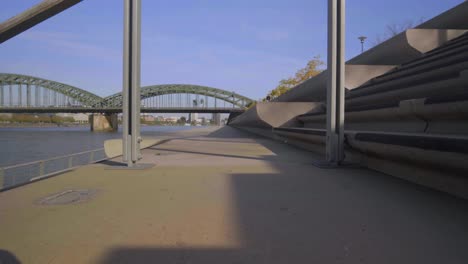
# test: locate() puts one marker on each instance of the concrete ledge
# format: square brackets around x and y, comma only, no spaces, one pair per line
[406,46]
[263,132]
[442,180]
[438,162]
[454,18]
[418,116]
[445,152]
[315,89]
[272,114]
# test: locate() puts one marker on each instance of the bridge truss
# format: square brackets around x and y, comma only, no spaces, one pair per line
[182,95]
[27,93]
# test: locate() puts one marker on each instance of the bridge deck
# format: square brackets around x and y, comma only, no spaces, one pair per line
[225,197]
[35,110]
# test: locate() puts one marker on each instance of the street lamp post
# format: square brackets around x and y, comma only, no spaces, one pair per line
[362,39]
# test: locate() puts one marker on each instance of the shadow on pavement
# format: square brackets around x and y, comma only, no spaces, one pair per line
[302,214]
[7,257]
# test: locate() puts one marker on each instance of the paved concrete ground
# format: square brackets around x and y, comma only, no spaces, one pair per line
[225,197]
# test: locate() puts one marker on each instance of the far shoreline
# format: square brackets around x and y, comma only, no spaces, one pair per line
[38,125]
[48,125]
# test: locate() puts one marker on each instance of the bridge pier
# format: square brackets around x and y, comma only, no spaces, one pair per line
[103,122]
[28,95]
[2,102]
[217,119]
[10,94]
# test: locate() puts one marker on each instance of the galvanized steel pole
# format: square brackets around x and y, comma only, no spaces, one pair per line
[336,78]
[131,82]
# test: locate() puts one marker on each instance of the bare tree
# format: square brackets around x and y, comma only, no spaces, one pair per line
[392,30]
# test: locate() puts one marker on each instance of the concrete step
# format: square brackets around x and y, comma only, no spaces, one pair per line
[433,115]
[432,160]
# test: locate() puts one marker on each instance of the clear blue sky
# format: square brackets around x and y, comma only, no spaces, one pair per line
[245,46]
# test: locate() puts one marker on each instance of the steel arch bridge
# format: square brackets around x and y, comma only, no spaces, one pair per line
[180,89]
[33,91]
[23,93]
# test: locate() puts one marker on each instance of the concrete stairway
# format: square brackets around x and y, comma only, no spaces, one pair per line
[406,107]
[411,122]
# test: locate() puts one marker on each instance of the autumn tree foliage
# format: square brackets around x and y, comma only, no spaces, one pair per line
[313,68]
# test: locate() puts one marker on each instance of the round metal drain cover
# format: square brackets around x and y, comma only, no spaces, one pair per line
[165,153]
[68,197]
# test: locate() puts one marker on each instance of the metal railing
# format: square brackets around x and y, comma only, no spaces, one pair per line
[12,176]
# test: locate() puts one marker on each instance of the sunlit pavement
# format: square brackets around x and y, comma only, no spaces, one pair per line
[222,196]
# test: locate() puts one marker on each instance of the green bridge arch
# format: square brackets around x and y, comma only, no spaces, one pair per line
[84,97]
[162,89]
[89,99]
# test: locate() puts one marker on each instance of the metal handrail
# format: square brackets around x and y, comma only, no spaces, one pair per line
[54,158]
[20,174]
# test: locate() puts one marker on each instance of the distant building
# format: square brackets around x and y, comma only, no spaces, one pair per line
[171,119]
[193,117]
[81,118]
[148,118]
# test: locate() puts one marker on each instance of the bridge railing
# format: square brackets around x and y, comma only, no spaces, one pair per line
[16,175]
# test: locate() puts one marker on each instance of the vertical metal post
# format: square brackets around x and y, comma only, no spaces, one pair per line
[91,157]
[41,168]
[131,82]
[336,78]
[70,162]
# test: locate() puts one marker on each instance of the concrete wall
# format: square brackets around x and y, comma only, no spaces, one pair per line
[407,46]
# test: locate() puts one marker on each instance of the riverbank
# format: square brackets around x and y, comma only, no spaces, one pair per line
[39,125]
[224,196]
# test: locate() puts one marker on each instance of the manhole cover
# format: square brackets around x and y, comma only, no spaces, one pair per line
[68,197]
[164,153]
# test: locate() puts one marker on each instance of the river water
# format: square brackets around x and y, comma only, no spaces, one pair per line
[20,145]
